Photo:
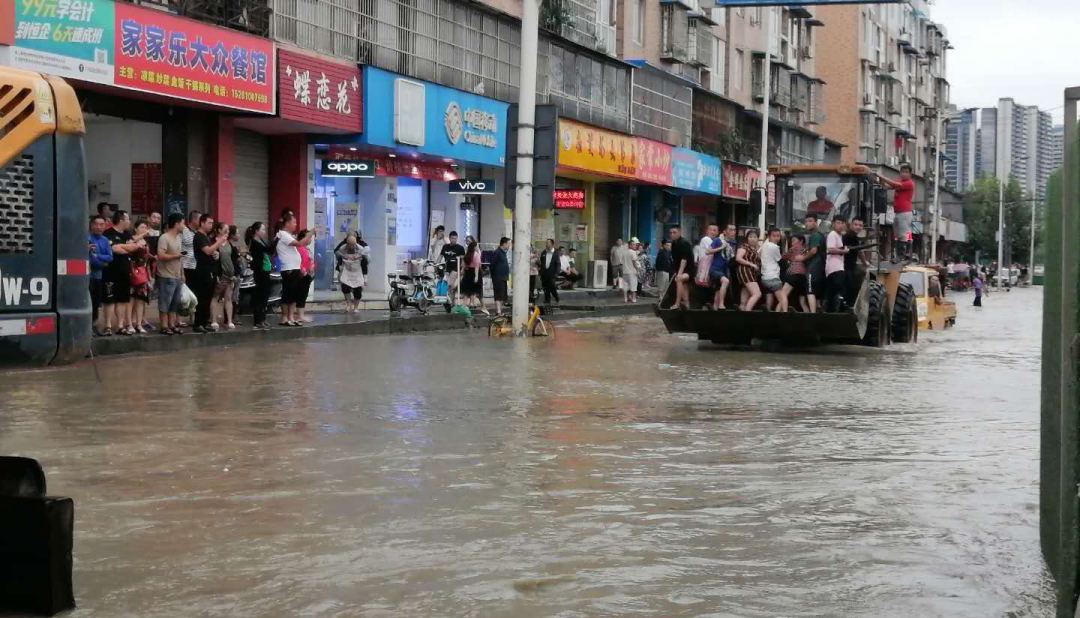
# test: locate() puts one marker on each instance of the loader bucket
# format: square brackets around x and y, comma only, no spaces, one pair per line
[741,327]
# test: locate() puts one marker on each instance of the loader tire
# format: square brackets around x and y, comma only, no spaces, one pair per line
[905,315]
[877,319]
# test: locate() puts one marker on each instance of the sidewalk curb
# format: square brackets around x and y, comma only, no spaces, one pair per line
[155,344]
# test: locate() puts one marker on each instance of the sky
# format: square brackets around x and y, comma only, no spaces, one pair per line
[1025,49]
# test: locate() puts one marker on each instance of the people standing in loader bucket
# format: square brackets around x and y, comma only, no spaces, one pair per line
[836,275]
[905,191]
[815,263]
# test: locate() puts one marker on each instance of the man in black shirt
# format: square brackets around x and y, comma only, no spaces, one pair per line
[206,265]
[451,254]
[854,260]
[663,267]
[683,267]
[118,275]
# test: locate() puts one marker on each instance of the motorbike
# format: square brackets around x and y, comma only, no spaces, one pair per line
[247,287]
[412,290]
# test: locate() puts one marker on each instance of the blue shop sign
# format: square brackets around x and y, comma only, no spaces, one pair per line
[456,124]
[695,171]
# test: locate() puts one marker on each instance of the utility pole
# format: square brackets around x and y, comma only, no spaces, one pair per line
[530,24]
[765,87]
[937,189]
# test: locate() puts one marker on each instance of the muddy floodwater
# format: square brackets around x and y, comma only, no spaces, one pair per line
[615,471]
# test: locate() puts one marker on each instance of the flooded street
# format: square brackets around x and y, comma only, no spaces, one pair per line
[615,471]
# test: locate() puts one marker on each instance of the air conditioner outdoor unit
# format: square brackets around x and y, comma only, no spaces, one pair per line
[598,274]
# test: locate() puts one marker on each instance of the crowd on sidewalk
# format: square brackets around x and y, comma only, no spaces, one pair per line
[196,262]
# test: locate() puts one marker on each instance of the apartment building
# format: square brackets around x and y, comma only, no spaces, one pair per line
[885,66]
[1017,141]
[1057,147]
[961,146]
[795,86]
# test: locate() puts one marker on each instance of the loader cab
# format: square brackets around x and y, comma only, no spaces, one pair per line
[824,191]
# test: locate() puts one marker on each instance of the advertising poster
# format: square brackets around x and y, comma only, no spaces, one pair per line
[69,38]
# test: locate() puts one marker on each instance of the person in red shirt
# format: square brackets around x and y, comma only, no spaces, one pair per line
[822,205]
[905,191]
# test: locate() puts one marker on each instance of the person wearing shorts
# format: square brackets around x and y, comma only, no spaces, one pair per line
[902,209]
[796,280]
[170,275]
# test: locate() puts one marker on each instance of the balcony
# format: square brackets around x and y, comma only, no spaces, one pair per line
[250,16]
[584,25]
[675,34]
[689,5]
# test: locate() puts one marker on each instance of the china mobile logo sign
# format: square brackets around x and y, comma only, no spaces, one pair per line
[472,187]
[351,168]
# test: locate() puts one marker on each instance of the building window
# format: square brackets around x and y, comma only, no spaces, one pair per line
[716,75]
[737,69]
[639,22]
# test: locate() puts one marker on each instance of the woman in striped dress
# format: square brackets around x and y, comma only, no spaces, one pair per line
[746,271]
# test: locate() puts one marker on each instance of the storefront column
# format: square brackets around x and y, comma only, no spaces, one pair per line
[289,178]
[646,218]
[174,168]
[378,197]
[222,165]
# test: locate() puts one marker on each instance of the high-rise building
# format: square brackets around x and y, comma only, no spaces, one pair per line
[1015,141]
[960,147]
[1057,147]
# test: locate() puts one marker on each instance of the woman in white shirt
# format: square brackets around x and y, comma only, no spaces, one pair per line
[291,276]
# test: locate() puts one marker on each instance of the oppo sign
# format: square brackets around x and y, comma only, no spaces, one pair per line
[472,187]
[351,168]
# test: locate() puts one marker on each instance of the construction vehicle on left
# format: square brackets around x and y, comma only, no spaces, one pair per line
[45,312]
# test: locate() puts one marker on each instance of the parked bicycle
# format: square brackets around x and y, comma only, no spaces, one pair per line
[535,326]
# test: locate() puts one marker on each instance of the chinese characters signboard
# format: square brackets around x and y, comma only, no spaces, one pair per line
[739,181]
[119,44]
[455,124]
[695,171]
[319,92]
[569,198]
[654,161]
[590,149]
[597,150]
[69,38]
[145,188]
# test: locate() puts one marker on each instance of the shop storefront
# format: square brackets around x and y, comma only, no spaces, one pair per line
[151,83]
[419,139]
[611,185]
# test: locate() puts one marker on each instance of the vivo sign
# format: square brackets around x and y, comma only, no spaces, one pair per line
[472,187]
[348,167]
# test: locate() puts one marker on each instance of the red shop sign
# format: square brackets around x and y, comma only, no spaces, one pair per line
[739,181]
[653,161]
[387,166]
[569,198]
[320,92]
[157,52]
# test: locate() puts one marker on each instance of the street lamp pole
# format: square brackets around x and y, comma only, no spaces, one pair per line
[765,87]
[1031,250]
[1001,233]
[530,24]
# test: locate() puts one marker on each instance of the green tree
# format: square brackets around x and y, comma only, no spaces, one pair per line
[981,219]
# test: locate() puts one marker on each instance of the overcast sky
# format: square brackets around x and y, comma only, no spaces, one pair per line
[1025,49]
